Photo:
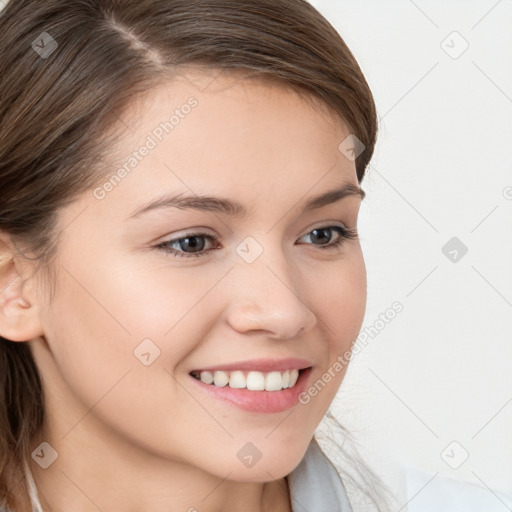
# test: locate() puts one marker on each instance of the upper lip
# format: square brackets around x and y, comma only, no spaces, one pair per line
[261,365]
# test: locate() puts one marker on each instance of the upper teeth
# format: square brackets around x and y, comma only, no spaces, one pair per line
[253,381]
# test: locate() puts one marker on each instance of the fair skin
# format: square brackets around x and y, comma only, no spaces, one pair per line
[131,437]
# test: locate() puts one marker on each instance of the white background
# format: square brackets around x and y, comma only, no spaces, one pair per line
[440,371]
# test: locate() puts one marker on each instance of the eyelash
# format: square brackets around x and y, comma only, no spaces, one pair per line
[345,234]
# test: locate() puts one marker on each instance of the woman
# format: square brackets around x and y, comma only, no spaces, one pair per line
[180,267]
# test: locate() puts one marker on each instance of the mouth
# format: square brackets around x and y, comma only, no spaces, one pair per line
[251,380]
[257,392]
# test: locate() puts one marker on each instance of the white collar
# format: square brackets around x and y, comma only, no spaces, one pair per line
[316,485]
[32,490]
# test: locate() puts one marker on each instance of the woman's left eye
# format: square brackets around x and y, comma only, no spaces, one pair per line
[195,241]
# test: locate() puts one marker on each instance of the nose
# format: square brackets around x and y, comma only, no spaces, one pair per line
[267,295]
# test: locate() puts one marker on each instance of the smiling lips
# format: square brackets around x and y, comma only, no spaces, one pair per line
[268,393]
[255,375]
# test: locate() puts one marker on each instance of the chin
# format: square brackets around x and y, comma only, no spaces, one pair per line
[273,464]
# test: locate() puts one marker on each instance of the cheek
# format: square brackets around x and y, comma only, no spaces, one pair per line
[343,302]
[341,310]
[87,336]
[169,306]
[94,367]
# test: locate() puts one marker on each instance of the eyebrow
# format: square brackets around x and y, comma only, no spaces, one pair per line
[231,208]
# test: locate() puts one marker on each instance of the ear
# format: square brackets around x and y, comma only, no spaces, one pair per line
[19,306]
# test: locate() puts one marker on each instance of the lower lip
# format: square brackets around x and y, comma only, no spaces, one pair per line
[259,401]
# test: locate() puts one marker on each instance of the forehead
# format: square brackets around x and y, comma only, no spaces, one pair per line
[234,117]
[223,134]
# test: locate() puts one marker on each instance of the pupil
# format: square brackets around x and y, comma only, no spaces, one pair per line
[315,231]
[192,244]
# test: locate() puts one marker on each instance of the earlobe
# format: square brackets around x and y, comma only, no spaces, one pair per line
[19,313]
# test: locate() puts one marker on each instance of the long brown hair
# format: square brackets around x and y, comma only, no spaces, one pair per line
[70,68]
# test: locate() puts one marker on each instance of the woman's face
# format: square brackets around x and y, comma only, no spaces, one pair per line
[131,320]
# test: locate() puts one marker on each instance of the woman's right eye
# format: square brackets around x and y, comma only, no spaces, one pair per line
[189,241]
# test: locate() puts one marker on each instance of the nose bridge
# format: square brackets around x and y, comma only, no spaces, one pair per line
[266,293]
